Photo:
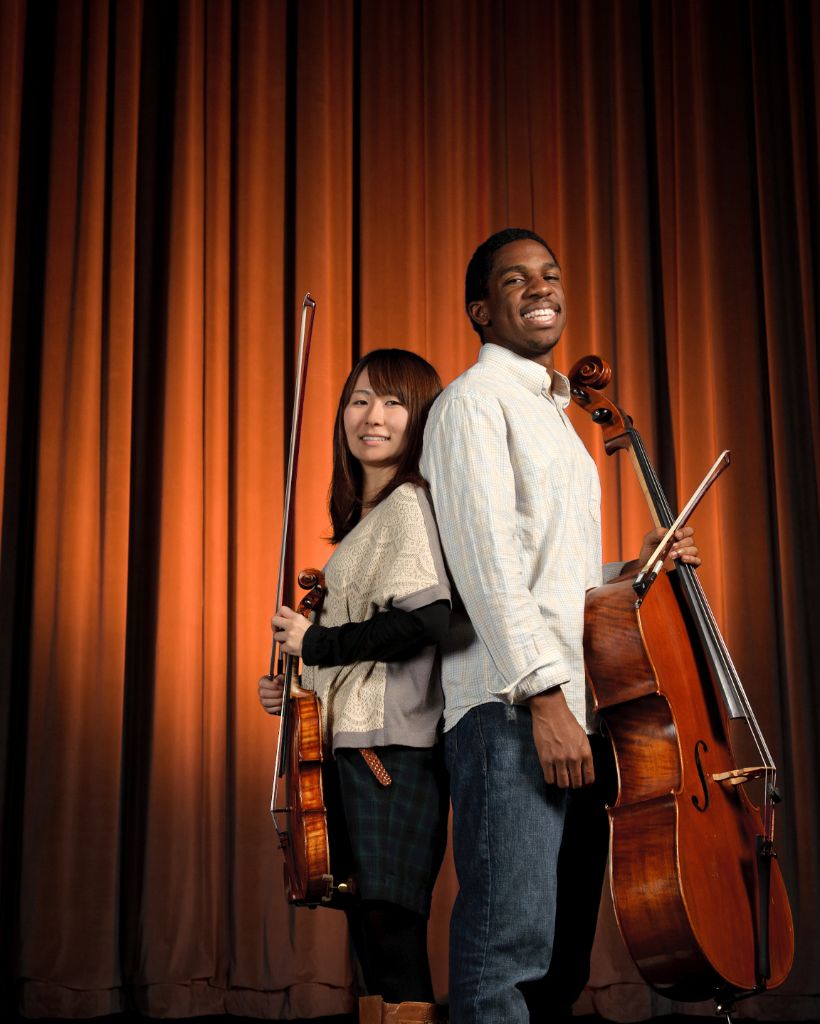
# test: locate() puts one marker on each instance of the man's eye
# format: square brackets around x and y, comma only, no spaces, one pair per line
[394,401]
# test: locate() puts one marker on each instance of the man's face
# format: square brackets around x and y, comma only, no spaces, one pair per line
[524,309]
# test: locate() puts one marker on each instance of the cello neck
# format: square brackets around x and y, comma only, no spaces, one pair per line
[724,673]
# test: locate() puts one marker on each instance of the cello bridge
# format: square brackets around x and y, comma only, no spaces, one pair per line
[739,776]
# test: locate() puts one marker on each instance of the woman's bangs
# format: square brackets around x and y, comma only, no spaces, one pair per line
[388,378]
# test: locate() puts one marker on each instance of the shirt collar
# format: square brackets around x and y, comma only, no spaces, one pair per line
[531,375]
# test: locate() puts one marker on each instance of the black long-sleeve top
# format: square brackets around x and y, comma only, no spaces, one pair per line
[392,635]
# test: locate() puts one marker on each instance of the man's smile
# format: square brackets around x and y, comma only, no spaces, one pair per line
[544,315]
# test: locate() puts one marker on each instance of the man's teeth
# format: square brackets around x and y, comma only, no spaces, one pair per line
[545,315]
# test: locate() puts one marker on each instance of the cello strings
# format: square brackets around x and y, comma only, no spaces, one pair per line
[695,594]
[697,597]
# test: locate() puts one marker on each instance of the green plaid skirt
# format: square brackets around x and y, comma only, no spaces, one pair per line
[391,839]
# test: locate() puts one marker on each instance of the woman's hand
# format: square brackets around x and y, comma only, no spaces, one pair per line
[270,694]
[684,549]
[288,629]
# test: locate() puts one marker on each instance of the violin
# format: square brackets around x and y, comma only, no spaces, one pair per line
[297,800]
[304,841]
[698,894]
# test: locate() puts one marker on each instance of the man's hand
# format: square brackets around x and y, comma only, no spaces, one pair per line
[288,629]
[562,745]
[684,549]
[270,694]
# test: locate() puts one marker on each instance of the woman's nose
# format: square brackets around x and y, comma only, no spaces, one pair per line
[375,414]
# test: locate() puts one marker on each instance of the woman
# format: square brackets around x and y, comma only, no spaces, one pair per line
[372,659]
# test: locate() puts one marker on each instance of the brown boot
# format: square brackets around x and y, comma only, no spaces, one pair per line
[373,1010]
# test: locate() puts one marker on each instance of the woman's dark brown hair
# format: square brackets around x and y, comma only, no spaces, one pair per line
[392,371]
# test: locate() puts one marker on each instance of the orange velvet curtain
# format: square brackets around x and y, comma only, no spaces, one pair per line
[175,175]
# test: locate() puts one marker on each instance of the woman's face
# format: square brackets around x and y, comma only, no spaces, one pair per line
[375,426]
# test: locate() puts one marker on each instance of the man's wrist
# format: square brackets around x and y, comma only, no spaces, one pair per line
[546,698]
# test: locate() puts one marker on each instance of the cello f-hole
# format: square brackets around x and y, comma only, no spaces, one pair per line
[701,745]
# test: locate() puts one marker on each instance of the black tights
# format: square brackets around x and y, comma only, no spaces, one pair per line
[391,945]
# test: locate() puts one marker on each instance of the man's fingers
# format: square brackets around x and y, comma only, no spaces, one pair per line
[588,772]
[562,775]
[571,774]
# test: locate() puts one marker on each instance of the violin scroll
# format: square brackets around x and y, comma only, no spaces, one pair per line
[312,580]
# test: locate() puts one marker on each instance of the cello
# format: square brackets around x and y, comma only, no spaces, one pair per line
[698,894]
[297,800]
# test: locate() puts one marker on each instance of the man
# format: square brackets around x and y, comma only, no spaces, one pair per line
[517,499]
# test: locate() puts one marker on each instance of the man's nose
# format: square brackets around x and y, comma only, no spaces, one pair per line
[539,286]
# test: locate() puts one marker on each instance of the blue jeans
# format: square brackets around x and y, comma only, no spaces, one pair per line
[508,827]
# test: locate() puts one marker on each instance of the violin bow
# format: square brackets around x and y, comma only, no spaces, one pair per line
[280,662]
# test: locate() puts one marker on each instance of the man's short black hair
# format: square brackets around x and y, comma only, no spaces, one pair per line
[481,265]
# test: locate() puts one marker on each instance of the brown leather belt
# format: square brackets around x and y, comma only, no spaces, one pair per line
[375,765]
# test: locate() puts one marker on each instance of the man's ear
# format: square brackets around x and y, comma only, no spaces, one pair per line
[478,313]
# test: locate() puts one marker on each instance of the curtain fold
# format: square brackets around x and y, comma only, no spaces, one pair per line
[176,176]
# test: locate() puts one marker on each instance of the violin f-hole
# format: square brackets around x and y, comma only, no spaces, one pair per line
[701,745]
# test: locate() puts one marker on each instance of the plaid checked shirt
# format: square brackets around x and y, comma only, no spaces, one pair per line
[517,501]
